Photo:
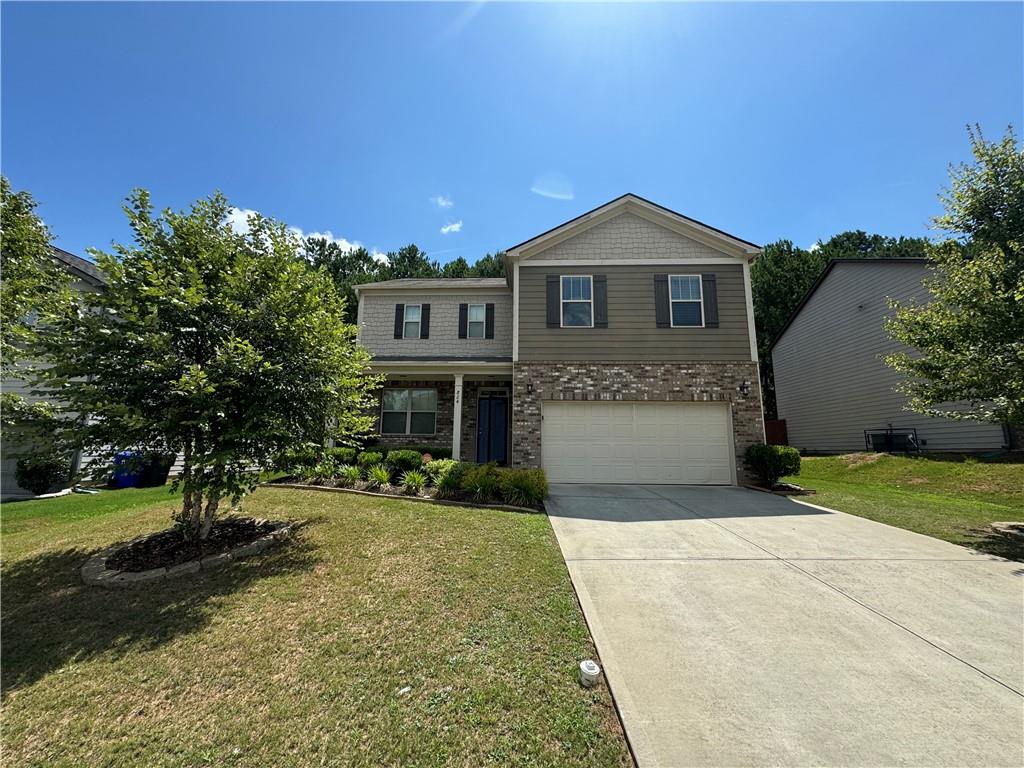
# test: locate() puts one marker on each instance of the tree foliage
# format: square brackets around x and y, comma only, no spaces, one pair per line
[783,273]
[224,347]
[34,290]
[967,341]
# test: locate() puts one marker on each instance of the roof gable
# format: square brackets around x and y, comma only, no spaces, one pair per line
[692,230]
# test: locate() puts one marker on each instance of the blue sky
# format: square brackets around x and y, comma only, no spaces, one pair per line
[468,128]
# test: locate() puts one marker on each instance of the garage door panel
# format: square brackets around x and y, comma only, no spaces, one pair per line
[641,442]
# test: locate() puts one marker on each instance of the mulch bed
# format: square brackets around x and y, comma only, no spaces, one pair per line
[783,489]
[168,548]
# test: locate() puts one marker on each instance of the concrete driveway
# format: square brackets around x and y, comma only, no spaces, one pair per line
[738,628]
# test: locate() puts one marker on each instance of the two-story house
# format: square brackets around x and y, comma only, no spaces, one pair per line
[619,349]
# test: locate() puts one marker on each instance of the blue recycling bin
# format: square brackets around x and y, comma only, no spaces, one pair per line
[128,469]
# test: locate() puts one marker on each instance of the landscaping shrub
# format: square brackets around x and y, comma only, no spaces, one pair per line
[342,455]
[368,459]
[378,476]
[296,458]
[772,462]
[449,480]
[436,452]
[437,469]
[523,487]
[42,471]
[348,475]
[404,460]
[325,470]
[413,481]
[482,482]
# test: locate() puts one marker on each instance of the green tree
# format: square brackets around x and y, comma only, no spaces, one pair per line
[456,268]
[407,262]
[967,342]
[33,292]
[347,268]
[490,265]
[226,348]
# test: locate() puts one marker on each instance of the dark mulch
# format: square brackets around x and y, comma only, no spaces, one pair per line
[169,548]
[782,489]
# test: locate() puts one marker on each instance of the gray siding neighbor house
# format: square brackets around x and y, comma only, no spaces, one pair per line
[831,380]
[619,349]
[85,278]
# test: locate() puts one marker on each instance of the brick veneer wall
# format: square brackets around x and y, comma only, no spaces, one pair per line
[443,426]
[633,381]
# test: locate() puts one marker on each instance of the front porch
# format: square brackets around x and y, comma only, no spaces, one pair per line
[465,409]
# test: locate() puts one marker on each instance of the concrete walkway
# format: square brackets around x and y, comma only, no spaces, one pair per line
[738,628]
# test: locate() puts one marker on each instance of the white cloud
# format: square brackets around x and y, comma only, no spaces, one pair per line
[553,185]
[238,219]
[815,247]
[454,226]
[442,201]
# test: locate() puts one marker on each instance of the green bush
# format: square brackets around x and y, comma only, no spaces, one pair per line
[772,462]
[449,481]
[368,459]
[437,469]
[482,482]
[326,469]
[41,472]
[378,476]
[404,460]
[342,455]
[348,475]
[295,459]
[523,487]
[413,481]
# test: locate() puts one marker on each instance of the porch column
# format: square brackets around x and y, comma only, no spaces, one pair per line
[457,418]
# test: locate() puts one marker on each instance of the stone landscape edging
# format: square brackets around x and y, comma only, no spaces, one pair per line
[403,497]
[96,573]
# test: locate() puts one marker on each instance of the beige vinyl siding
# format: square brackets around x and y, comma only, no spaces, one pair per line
[831,381]
[632,334]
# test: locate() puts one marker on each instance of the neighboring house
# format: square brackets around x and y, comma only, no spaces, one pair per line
[85,278]
[620,349]
[831,380]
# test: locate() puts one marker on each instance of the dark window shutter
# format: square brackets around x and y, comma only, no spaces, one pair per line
[600,301]
[399,319]
[661,307]
[463,320]
[554,302]
[709,288]
[489,324]
[424,321]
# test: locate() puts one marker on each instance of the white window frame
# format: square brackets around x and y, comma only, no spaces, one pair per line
[481,323]
[419,323]
[409,412]
[671,301]
[562,302]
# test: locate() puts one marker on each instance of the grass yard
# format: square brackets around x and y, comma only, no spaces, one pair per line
[302,656]
[950,497]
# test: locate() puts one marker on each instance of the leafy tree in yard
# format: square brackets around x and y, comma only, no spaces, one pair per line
[227,348]
[347,268]
[34,291]
[783,273]
[968,340]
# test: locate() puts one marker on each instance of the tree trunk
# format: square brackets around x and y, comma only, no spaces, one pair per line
[208,518]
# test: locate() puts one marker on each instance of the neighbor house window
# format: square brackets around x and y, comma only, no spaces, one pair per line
[477,320]
[577,301]
[411,327]
[687,301]
[408,412]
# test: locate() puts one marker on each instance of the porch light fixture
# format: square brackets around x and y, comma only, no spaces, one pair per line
[745,388]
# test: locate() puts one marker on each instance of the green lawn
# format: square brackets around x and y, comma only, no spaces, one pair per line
[951,498]
[299,657]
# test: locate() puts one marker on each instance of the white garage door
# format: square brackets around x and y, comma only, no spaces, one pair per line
[619,442]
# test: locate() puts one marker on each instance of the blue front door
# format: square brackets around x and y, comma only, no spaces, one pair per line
[492,429]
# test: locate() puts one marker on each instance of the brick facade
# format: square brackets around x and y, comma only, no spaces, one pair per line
[682,382]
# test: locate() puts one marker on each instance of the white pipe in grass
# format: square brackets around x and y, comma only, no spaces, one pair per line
[589,673]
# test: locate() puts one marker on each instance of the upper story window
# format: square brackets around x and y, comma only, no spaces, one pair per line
[411,324]
[687,301]
[477,321]
[577,301]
